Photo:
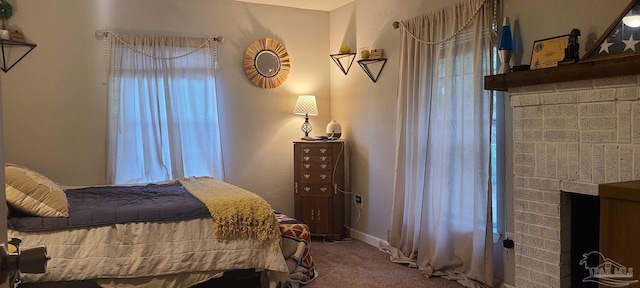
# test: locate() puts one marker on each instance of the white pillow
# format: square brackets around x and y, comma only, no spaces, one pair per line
[33,193]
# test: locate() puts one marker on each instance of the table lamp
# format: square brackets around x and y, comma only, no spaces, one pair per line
[306,106]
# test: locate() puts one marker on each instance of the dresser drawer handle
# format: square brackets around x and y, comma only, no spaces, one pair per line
[324,166]
[306,158]
[323,150]
[307,166]
[323,158]
[323,189]
[307,176]
[307,189]
[306,150]
[323,176]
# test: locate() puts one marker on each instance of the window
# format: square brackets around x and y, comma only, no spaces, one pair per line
[163,110]
[497,162]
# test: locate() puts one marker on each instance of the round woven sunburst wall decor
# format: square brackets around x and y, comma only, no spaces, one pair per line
[266,63]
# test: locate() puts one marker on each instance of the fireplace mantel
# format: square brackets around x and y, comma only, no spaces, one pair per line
[587,70]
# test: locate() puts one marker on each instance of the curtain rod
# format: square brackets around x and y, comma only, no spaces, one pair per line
[101,33]
[396,24]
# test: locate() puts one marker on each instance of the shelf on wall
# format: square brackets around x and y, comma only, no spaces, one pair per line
[344,61]
[13,50]
[583,70]
[376,64]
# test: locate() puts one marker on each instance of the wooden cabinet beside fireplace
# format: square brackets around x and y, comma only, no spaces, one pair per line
[319,178]
[620,230]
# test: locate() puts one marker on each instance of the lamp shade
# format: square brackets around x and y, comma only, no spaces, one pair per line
[506,42]
[306,105]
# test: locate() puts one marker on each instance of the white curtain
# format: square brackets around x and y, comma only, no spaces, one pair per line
[163,115]
[441,215]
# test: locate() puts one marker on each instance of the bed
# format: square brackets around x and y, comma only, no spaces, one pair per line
[137,236]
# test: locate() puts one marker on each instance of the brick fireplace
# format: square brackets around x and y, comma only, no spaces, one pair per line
[567,136]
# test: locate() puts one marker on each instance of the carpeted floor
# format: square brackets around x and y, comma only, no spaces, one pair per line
[352,264]
[356,264]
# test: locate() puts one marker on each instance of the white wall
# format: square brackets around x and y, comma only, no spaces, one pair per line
[367,110]
[3,197]
[55,102]
[535,20]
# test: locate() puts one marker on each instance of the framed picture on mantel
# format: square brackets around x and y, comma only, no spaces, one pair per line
[621,39]
[548,52]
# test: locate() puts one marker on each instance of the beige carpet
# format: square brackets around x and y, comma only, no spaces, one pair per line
[357,264]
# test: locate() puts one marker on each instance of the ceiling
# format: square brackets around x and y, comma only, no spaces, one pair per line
[321,5]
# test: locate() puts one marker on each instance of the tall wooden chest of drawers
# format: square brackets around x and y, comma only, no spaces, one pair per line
[319,183]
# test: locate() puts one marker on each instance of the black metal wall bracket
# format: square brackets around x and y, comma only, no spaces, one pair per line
[344,61]
[8,47]
[373,74]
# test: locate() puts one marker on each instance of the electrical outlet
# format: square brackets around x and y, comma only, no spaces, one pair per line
[358,200]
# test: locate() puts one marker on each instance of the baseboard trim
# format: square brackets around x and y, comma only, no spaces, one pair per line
[505,285]
[366,238]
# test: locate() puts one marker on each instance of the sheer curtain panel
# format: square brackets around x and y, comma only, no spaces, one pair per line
[163,114]
[441,215]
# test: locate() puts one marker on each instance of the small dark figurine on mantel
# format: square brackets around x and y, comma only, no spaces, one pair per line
[572,52]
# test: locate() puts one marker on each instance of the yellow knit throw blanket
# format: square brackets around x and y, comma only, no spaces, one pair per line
[237,213]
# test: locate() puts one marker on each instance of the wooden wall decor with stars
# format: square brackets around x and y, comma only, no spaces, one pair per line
[619,40]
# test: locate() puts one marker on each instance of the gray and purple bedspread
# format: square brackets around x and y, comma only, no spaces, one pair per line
[106,205]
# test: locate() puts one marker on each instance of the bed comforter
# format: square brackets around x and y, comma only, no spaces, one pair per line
[144,250]
[107,205]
